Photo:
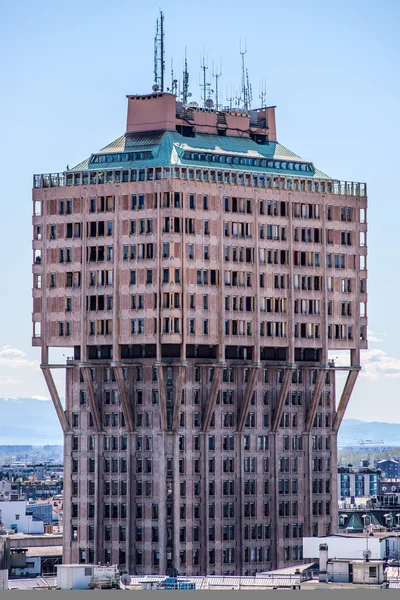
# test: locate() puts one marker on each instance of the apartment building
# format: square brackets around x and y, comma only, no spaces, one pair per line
[200,272]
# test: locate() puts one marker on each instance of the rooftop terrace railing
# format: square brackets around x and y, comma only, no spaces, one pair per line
[262,180]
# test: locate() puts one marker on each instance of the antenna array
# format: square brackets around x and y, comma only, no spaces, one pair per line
[242,100]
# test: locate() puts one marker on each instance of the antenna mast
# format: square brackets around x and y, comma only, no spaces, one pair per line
[246,87]
[159,54]
[229,99]
[156,37]
[217,76]
[244,91]
[185,83]
[249,90]
[204,85]
[174,82]
[162,57]
[263,93]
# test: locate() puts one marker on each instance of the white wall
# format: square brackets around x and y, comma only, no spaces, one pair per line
[338,572]
[72,577]
[9,510]
[342,547]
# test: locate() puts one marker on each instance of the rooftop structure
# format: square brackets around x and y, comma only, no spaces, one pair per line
[200,272]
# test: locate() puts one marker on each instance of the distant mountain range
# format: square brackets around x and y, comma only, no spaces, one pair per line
[354,430]
[34,422]
[28,421]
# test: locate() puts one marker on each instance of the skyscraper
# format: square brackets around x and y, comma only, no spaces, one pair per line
[200,272]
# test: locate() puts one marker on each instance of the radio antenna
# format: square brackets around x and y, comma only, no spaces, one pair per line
[185,83]
[217,75]
[159,55]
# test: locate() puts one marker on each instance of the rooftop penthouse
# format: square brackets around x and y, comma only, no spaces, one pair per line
[165,140]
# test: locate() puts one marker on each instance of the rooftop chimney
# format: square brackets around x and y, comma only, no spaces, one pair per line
[323,563]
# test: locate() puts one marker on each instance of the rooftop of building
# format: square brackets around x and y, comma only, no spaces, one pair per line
[359,561]
[361,470]
[381,535]
[155,149]
[35,536]
[44,551]
[292,570]
[33,584]
[163,136]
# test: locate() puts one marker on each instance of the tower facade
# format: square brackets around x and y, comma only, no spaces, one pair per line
[200,272]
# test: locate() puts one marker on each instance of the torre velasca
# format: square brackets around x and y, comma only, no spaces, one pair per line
[200,272]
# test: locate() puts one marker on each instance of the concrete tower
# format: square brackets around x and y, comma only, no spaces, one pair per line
[200,272]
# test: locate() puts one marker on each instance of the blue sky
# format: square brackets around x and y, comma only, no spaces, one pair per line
[331,69]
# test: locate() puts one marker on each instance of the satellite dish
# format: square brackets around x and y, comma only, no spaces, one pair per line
[394,488]
[189,94]
[367,554]
[125,579]
[209,103]
[384,488]
[193,105]
[155,88]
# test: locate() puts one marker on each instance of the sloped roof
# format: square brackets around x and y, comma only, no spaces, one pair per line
[169,148]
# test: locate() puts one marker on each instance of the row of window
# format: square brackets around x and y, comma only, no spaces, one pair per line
[269,232]
[245,160]
[228,375]
[102,278]
[121,157]
[241,205]
[146,251]
[257,555]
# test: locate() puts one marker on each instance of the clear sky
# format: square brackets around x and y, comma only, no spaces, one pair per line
[332,69]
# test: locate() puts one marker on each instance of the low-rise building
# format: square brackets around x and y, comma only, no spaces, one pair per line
[42,511]
[390,467]
[357,482]
[16,517]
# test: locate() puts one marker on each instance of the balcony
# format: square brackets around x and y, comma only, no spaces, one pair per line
[258,179]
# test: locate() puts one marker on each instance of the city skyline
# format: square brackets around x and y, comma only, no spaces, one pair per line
[19,364]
